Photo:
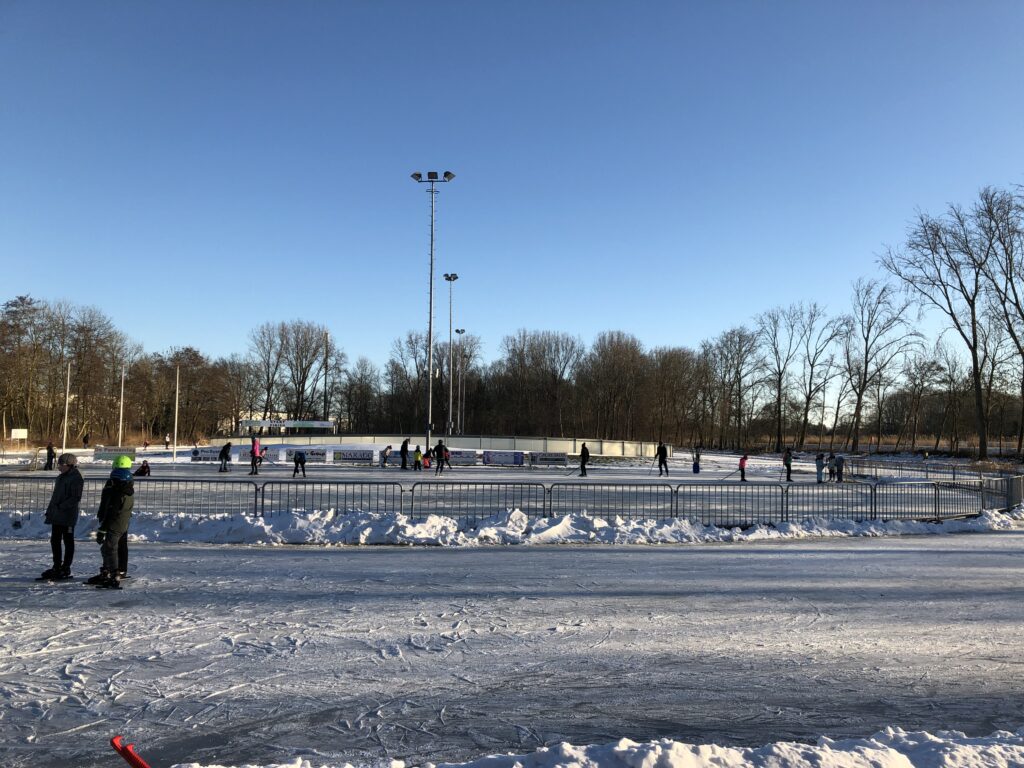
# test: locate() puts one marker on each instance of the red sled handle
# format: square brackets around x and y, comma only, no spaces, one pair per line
[127,751]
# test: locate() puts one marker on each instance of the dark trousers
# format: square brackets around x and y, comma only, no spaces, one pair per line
[114,548]
[49,462]
[254,465]
[223,465]
[583,469]
[789,473]
[62,536]
[743,474]
[122,553]
[299,465]
[662,465]
[405,461]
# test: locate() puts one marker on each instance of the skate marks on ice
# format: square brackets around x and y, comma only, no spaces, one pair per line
[234,654]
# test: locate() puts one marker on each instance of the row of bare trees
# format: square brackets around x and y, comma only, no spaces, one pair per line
[795,375]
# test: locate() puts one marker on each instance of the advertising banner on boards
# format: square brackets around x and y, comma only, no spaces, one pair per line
[313,455]
[462,458]
[503,458]
[109,454]
[358,456]
[209,453]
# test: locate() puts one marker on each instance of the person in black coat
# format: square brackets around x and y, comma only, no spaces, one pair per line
[662,458]
[116,502]
[584,458]
[404,453]
[51,454]
[439,457]
[224,456]
[62,515]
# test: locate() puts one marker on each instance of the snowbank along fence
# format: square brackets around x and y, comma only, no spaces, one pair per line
[727,504]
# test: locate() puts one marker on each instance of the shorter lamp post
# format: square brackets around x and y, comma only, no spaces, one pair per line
[450,278]
[462,358]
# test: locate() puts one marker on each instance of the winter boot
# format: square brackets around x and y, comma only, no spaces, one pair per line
[99,578]
[64,574]
[110,582]
[50,574]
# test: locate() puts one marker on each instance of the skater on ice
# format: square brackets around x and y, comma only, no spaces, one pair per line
[116,502]
[62,515]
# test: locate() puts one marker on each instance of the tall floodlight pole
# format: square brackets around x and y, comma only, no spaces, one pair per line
[327,346]
[458,398]
[120,415]
[177,385]
[432,179]
[451,278]
[67,399]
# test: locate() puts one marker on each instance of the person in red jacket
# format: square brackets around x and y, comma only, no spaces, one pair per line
[743,468]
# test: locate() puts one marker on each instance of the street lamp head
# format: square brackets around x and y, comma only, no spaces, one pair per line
[460,331]
[448,175]
[451,277]
[417,176]
[431,175]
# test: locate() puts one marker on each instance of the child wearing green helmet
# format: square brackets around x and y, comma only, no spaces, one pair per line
[116,502]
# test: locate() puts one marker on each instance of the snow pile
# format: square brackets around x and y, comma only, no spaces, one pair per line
[891,748]
[509,527]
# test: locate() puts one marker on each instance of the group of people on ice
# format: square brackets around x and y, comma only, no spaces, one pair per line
[114,515]
[834,464]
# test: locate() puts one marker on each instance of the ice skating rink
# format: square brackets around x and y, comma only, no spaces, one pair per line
[266,654]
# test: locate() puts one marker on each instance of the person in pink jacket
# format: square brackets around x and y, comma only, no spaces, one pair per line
[743,468]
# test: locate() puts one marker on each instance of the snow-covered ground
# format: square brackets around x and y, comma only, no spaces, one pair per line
[264,655]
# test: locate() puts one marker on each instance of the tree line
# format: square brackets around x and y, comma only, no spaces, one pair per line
[793,375]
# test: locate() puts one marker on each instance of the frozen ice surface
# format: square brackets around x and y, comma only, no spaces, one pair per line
[280,655]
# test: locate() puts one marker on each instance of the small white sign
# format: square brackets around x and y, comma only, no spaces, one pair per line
[19,434]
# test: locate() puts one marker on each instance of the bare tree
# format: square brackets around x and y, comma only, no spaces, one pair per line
[877,332]
[818,335]
[943,264]
[266,345]
[1001,214]
[780,330]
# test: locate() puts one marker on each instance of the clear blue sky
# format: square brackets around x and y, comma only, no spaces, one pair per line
[667,169]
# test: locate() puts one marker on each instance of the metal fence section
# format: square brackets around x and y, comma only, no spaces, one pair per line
[882,470]
[27,496]
[633,501]
[278,496]
[834,501]
[921,500]
[731,505]
[195,497]
[726,504]
[471,502]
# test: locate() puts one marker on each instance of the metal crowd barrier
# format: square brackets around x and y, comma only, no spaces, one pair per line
[725,504]
[633,501]
[277,496]
[731,505]
[476,501]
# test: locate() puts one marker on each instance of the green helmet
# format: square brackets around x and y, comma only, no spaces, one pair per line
[122,462]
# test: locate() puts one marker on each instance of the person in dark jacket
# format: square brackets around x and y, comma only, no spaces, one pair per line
[225,457]
[404,453]
[300,463]
[143,470]
[116,502]
[439,457]
[51,454]
[62,515]
[787,463]
[584,458]
[662,459]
